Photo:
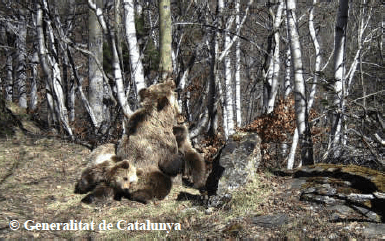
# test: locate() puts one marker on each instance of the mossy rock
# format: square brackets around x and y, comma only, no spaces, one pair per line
[361,178]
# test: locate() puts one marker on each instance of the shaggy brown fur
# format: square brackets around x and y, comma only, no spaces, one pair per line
[106,175]
[107,180]
[151,184]
[149,140]
[189,162]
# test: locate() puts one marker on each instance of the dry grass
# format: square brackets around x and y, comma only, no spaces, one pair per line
[37,176]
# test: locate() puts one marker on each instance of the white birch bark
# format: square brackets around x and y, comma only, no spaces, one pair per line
[165,38]
[318,57]
[117,71]
[299,87]
[287,84]
[222,88]
[238,28]
[21,53]
[33,80]
[79,89]
[51,67]
[274,65]
[362,26]
[229,100]
[339,77]
[137,74]
[238,104]
[95,76]
[317,68]
[9,75]
[153,23]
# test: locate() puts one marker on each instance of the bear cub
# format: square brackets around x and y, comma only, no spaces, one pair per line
[106,175]
[188,162]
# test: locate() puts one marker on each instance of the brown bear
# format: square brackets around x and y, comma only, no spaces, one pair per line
[106,175]
[149,141]
[152,184]
[149,137]
[189,162]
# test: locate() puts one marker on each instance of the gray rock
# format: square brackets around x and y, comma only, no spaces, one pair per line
[374,229]
[235,166]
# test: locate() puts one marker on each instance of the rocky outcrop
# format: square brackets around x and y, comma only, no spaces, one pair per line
[234,167]
[344,189]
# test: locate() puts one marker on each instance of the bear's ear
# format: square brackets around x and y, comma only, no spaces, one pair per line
[163,102]
[170,82]
[115,158]
[143,93]
[139,171]
[178,130]
[123,164]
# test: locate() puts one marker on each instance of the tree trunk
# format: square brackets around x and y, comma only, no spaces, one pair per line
[238,104]
[339,78]
[137,74]
[228,91]
[117,71]
[95,76]
[51,68]
[34,77]
[300,88]
[165,32]
[271,82]
[317,68]
[8,80]
[21,53]
[9,75]
[318,57]
[79,88]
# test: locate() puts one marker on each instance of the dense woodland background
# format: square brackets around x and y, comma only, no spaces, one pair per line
[76,68]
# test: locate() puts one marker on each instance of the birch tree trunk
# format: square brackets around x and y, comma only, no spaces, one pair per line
[9,75]
[8,80]
[287,84]
[79,88]
[317,68]
[51,68]
[339,78]
[299,87]
[95,76]
[238,104]
[165,31]
[271,85]
[117,71]
[228,92]
[33,80]
[137,74]
[21,75]
[318,57]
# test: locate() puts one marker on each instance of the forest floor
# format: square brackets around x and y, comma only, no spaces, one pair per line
[37,177]
[38,174]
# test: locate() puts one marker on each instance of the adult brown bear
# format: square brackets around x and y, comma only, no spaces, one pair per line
[157,146]
[149,141]
[149,137]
